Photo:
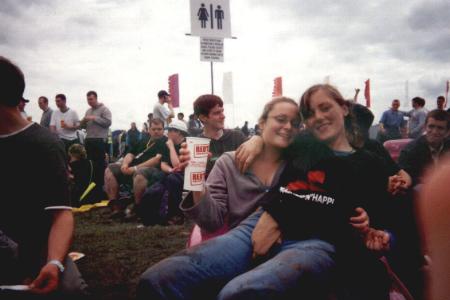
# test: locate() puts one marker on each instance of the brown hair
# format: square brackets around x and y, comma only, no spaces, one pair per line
[439,115]
[204,104]
[77,151]
[157,121]
[270,105]
[353,133]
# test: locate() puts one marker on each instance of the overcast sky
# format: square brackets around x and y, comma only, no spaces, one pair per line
[125,50]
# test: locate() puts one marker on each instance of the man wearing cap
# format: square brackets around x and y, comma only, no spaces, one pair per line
[162,112]
[21,107]
[36,217]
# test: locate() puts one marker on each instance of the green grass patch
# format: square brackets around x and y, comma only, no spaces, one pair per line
[118,253]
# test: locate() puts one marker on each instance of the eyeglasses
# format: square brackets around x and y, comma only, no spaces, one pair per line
[282,120]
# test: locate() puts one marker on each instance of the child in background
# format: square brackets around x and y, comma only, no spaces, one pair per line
[82,173]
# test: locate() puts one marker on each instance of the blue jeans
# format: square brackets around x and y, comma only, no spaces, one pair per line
[223,268]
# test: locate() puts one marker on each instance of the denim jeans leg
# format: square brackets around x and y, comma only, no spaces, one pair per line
[174,184]
[298,270]
[201,271]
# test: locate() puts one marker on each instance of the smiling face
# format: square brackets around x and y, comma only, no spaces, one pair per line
[281,125]
[215,119]
[395,104]
[326,118]
[436,131]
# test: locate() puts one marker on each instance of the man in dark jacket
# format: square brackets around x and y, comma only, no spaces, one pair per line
[426,151]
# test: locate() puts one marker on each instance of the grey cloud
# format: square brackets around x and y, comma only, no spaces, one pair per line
[412,32]
[83,21]
[430,16]
[431,88]
[17,8]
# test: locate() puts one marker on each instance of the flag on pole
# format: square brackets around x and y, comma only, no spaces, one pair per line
[227,87]
[367,92]
[446,93]
[174,90]
[277,87]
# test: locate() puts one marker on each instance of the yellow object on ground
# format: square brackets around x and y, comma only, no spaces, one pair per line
[88,189]
[88,207]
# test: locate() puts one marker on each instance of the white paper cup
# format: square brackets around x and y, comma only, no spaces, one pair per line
[194,174]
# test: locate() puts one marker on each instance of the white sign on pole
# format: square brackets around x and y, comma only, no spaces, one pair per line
[210,18]
[211,49]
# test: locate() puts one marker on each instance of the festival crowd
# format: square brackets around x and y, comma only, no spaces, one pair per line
[306,206]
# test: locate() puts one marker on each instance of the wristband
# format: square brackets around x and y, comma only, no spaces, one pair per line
[58,264]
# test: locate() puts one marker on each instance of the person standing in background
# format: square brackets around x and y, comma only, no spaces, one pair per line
[97,121]
[133,135]
[162,112]
[417,116]
[392,123]
[21,107]
[440,102]
[65,122]
[46,112]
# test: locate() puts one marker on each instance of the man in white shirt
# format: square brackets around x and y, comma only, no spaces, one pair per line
[162,112]
[65,122]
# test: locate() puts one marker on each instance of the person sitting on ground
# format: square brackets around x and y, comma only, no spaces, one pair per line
[149,204]
[400,180]
[313,200]
[209,110]
[427,151]
[229,197]
[36,216]
[142,163]
[82,173]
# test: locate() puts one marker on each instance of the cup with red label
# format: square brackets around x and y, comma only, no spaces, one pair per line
[194,173]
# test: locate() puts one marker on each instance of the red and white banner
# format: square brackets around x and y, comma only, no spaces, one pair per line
[367,92]
[277,87]
[174,90]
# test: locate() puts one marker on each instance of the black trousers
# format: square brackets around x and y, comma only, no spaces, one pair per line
[96,150]
[68,143]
